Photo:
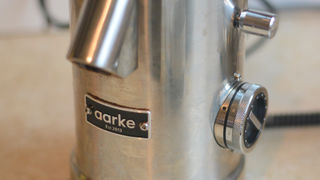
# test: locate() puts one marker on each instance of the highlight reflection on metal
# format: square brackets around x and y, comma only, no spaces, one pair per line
[259,23]
[106,36]
[179,61]
[241,117]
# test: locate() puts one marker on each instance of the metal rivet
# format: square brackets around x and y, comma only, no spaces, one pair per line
[88,110]
[237,76]
[144,126]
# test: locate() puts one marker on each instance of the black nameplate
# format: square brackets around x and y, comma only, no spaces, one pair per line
[116,119]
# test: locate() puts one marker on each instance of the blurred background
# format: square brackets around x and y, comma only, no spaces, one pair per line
[36,98]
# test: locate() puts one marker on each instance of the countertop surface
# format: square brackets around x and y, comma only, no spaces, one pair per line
[37,112]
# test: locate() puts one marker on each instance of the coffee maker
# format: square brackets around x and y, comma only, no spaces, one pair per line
[158,91]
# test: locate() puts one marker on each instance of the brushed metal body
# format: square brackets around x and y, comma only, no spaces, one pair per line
[188,51]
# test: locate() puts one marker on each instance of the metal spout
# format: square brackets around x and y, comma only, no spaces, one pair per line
[106,36]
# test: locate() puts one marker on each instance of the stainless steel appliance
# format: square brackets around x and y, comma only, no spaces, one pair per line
[157,88]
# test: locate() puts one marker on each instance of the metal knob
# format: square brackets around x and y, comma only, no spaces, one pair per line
[241,117]
[259,23]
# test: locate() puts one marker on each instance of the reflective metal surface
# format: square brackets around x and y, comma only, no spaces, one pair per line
[236,174]
[241,117]
[259,23]
[221,120]
[106,37]
[188,53]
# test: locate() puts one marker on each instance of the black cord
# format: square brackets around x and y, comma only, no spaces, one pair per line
[306,119]
[286,120]
[49,19]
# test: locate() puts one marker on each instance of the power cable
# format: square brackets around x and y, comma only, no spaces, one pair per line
[50,20]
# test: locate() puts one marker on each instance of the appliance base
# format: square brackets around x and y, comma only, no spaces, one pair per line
[237,174]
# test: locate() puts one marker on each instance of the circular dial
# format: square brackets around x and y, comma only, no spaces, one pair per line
[241,117]
[255,120]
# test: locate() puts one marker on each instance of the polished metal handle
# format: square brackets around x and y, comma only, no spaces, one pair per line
[241,117]
[259,23]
